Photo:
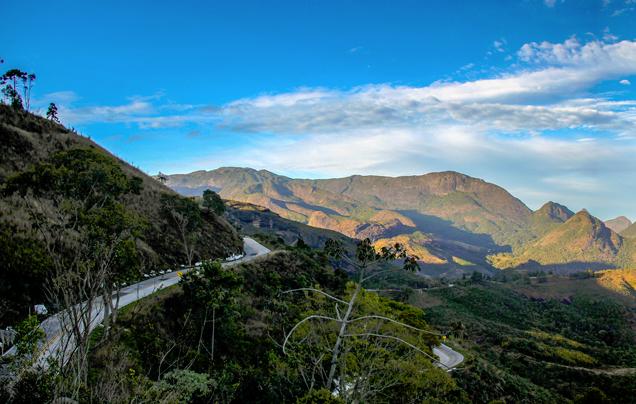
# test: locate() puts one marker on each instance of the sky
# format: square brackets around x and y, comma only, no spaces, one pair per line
[537,96]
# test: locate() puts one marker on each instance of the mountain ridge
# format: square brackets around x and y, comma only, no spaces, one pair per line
[356,198]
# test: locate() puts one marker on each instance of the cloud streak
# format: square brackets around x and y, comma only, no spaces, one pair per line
[542,94]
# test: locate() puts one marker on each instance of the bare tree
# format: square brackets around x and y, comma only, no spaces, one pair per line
[161,177]
[79,286]
[28,79]
[350,326]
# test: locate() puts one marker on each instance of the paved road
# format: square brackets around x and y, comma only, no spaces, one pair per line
[56,341]
[448,358]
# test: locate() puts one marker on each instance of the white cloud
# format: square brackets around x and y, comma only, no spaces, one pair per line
[543,95]
[499,45]
[117,113]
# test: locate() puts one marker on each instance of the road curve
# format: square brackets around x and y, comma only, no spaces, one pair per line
[55,340]
[448,358]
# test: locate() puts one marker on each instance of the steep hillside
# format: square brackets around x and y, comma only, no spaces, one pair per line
[529,346]
[545,219]
[582,242]
[618,224]
[48,172]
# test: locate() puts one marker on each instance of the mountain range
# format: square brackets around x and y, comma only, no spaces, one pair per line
[447,218]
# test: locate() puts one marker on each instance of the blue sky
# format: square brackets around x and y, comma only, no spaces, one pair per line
[536,96]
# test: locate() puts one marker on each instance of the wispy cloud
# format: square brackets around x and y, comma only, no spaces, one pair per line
[544,93]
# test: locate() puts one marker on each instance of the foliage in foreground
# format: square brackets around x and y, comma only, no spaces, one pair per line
[223,330]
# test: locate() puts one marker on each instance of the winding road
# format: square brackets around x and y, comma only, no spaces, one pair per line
[58,342]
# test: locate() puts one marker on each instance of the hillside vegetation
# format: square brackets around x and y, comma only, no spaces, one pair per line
[526,346]
[583,242]
[224,329]
[48,175]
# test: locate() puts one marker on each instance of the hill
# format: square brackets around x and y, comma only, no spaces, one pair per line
[582,242]
[629,232]
[618,224]
[548,217]
[542,340]
[49,173]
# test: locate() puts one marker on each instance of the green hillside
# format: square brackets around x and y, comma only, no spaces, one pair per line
[61,191]
[559,339]
[582,242]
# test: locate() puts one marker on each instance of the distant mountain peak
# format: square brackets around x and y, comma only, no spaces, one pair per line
[555,211]
[618,224]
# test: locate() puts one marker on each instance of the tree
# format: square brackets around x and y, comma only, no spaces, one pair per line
[10,91]
[186,217]
[28,336]
[370,330]
[217,289]
[27,85]
[212,201]
[51,113]
[476,277]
